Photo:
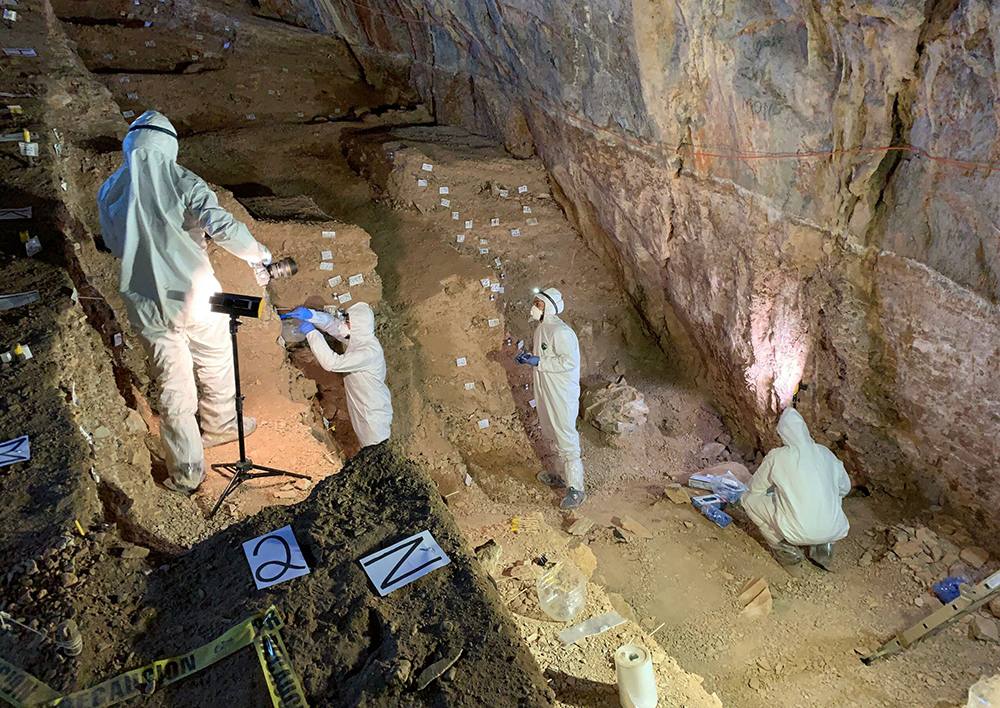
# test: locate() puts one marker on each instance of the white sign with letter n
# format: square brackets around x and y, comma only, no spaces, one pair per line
[403,562]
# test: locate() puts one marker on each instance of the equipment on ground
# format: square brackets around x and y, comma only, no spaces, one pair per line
[284,268]
[970,599]
[241,470]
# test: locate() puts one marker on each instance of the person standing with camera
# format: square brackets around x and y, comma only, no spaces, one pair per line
[157,216]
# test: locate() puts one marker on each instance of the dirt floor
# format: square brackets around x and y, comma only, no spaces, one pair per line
[283,121]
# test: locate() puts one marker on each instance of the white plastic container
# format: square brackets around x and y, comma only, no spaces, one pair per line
[562,592]
[636,682]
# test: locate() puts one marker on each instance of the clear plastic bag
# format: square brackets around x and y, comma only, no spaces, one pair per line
[728,487]
[562,592]
[985,693]
[595,625]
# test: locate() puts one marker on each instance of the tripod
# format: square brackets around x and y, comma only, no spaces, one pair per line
[241,470]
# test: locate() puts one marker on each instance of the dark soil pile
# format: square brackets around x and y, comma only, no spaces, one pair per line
[350,646]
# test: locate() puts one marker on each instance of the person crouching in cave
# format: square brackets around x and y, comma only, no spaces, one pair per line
[156,216]
[557,391]
[369,403]
[796,496]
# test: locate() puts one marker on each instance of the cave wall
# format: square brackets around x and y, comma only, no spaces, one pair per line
[868,273]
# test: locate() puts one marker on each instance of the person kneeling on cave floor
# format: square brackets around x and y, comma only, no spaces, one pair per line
[156,216]
[557,391]
[369,402]
[796,496]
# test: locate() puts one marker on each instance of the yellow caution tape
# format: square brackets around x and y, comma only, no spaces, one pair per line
[22,690]
[282,681]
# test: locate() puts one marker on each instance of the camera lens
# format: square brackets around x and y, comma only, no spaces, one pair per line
[284,268]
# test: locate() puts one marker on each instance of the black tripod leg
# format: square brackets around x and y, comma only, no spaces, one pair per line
[272,472]
[236,480]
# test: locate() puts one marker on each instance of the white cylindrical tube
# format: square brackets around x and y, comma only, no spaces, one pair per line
[636,682]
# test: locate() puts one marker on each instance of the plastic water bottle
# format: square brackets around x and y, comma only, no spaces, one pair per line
[717,515]
[562,592]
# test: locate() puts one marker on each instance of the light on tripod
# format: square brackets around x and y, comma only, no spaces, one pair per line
[237,305]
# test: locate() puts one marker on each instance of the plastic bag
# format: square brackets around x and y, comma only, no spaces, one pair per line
[562,592]
[728,487]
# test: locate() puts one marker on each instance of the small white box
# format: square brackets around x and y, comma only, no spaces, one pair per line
[460,362]
[522,189]
[421,183]
[494,323]
[442,190]
[468,224]
[483,424]
[485,282]
[469,386]
[526,210]
[454,215]
[446,202]
[427,168]
[334,281]
[460,238]
[356,279]
[515,232]
[326,265]
[329,234]
[326,255]
[345,297]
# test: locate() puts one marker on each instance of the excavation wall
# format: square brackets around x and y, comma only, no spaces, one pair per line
[750,168]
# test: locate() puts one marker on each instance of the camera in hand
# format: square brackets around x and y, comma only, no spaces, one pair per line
[283,268]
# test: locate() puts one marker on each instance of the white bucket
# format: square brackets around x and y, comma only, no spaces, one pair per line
[636,682]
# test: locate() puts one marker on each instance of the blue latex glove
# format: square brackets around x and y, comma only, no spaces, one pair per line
[305,328]
[526,358]
[299,313]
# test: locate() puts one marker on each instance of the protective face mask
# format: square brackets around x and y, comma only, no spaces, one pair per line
[536,314]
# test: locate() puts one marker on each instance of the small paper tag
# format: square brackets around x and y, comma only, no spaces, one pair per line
[483,242]
[442,190]
[421,183]
[468,224]
[531,222]
[526,210]
[485,282]
[504,193]
[532,403]
[460,362]
[522,189]
[132,96]
[484,423]
[460,238]
[326,265]
[494,222]
[10,15]
[326,255]
[128,114]
[454,215]
[117,339]
[251,116]
[484,251]
[494,323]
[344,297]
[19,52]
[427,168]
[28,149]
[124,80]
[520,344]
[334,281]
[515,232]
[495,287]
[356,279]
[329,234]
[150,43]
[446,202]
[470,385]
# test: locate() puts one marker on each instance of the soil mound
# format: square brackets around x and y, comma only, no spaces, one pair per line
[350,646]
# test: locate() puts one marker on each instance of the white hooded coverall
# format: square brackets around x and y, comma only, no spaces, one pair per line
[369,402]
[796,493]
[557,386]
[155,216]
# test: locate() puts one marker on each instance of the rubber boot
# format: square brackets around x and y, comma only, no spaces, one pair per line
[822,555]
[573,499]
[551,479]
[787,554]
[213,439]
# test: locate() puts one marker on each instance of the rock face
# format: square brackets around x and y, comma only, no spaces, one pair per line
[748,167]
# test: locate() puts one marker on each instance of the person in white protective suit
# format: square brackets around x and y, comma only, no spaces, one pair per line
[796,495]
[556,360]
[156,216]
[369,403]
